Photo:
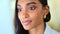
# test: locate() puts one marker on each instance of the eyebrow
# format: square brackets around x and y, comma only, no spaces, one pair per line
[31,3]
[18,5]
[27,3]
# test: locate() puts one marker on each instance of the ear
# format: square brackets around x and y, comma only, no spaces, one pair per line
[46,10]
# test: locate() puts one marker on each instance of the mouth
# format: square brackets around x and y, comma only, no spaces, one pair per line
[26,22]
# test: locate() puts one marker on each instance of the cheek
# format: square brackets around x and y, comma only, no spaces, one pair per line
[37,18]
[37,15]
[19,16]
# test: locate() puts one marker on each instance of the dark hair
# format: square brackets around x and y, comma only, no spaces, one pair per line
[18,26]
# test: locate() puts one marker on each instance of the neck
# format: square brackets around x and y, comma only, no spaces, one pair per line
[37,30]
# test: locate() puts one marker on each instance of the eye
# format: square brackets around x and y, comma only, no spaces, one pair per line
[32,8]
[20,9]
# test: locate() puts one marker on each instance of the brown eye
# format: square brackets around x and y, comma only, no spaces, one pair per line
[32,8]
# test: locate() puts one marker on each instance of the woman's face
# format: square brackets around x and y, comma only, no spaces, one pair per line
[31,13]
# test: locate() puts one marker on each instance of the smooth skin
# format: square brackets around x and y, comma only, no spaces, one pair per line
[31,14]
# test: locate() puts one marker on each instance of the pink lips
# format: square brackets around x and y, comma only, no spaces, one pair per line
[27,22]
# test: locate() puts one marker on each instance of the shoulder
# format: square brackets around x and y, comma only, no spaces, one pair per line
[48,30]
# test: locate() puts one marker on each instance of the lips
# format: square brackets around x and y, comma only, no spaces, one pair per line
[26,22]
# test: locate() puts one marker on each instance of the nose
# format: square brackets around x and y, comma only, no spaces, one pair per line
[25,14]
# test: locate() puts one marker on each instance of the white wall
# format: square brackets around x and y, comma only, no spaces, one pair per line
[55,14]
[6,24]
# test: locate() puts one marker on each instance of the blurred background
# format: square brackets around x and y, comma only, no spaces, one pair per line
[6,23]
[7,10]
[55,14]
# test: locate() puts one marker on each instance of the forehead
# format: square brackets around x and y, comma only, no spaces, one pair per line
[27,1]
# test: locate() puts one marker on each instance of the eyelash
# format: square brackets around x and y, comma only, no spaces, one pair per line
[20,9]
[32,8]
[29,8]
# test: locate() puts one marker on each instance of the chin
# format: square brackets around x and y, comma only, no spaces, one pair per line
[27,27]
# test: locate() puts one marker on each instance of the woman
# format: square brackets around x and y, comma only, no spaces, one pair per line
[31,16]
